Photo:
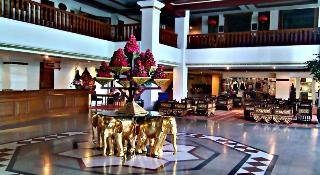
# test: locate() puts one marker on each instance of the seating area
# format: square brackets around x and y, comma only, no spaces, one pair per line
[278,110]
[199,106]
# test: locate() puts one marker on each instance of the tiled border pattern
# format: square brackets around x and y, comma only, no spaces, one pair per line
[257,163]
[7,150]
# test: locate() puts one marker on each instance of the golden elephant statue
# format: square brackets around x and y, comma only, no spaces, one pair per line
[129,135]
[112,132]
[94,123]
[155,132]
[109,133]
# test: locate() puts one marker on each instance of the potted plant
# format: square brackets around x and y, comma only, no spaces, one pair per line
[314,67]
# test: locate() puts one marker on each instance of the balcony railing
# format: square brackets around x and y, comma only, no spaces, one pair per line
[44,15]
[122,32]
[168,38]
[257,38]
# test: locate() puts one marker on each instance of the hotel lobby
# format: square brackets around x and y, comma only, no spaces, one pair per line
[159,87]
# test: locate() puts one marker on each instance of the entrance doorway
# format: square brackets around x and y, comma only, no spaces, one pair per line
[46,77]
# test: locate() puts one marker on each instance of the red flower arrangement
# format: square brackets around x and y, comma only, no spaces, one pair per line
[104,70]
[159,73]
[147,59]
[131,45]
[139,70]
[118,59]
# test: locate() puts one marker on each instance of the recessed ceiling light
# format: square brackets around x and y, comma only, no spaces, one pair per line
[197,2]
[89,61]
[227,67]
[274,67]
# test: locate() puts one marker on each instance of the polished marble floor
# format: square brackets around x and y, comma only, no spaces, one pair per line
[61,145]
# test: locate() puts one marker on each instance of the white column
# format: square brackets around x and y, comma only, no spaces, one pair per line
[150,23]
[204,24]
[150,28]
[221,21]
[318,14]
[254,20]
[114,19]
[274,20]
[180,73]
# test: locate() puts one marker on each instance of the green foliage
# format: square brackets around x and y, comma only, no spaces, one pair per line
[314,67]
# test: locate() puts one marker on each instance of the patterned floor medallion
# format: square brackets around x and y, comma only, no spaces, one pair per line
[191,156]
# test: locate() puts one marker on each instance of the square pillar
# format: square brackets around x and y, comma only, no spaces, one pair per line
[180,73]
[274,20]
[150,23]
[180,82]
[204,24]
[221,23]
[150,29]
[254,21]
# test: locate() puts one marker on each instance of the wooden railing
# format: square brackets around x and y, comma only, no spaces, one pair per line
[167,37]
[257,38]
[122,32]
[44,15]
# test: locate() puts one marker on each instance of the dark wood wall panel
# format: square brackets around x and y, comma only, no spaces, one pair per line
[18,106]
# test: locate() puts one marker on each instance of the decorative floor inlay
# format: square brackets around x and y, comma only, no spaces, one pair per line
[258,161]
[7,150]
[188,158]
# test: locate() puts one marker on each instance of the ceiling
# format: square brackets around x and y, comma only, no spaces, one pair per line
[130,8]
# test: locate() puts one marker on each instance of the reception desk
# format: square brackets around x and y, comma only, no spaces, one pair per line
[25,105]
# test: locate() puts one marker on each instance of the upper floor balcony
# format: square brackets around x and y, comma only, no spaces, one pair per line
[44,15]
[305,36]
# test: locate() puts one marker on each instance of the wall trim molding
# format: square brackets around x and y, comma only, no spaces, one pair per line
[43,51]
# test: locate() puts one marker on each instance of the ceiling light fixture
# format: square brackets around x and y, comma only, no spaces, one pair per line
[197,2]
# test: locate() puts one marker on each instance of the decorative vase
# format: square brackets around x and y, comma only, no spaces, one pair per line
[103,80]
[124,83]
[160,82]
[140,80]
[119,70]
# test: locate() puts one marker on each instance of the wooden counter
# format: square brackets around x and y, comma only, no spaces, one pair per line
[24,105]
